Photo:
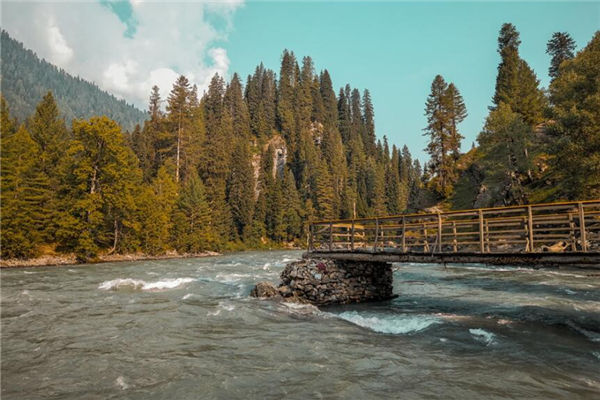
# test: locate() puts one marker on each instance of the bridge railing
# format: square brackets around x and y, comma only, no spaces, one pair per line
[567,226]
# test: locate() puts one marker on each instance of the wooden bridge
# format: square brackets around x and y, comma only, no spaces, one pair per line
[553,234]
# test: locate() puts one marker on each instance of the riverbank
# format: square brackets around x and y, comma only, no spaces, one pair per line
[57,260]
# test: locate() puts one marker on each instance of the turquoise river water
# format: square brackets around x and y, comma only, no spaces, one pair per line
[187,329]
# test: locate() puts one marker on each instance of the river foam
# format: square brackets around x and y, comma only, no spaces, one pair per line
[395,324]
[139,284]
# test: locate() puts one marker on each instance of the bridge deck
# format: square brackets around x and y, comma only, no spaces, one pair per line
[539,234]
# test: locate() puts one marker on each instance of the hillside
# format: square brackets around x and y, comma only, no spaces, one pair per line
[25,79]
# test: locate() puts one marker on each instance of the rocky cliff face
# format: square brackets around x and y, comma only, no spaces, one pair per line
[322,282]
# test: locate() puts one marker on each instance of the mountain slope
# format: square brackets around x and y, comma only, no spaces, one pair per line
[25,79]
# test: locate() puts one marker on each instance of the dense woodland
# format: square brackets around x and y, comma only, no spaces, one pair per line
[25,79]
[248,165]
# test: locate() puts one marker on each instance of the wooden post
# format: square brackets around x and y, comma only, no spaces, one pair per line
[487,236]
[352,237]
[403,234]
[572,238]
[311,233]
[582,227]
[376,234]
[481,244]
[426,245]
[530,228]
[439,233]
[330,236]
[454,242]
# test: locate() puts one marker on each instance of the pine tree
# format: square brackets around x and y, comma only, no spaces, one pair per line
[48,130]
[377,189]
[240,191]
[178,113]
[216,161]
[192,222]
[292,207]
[151,144]
[193,136]
[575,94]
[273,195]
[156,203]
[235,105]
[288,80]
[439,129]
[25,192]
[369,120]
[357,128]
[504,142]
[100,181]
[457,112]
[516,83]
[560,47]
[344,115]
[393,187]
[324,194]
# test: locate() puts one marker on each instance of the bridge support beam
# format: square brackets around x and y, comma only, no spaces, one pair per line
[327,281]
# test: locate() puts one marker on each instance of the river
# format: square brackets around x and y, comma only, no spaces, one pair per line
[186,329]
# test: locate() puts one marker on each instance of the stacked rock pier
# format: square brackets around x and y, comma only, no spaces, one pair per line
[327,281]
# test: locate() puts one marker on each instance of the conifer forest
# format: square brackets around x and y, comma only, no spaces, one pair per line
[250,161]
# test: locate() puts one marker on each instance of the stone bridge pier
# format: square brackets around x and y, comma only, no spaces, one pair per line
[325,281]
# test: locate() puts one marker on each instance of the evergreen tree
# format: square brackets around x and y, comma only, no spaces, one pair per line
[575,93]
[216,160]
[504,142]
[241,187]
[236,107]
[24,192]
[324,195]
[152,144]
[273,195]
[516,84]
[369,120]
[344,115]
[192,222]
[457,112]
[357,127]
[377,189]
[560,47]
[178,113]
[49,132]
[155,207]
[393,188]
[98,191]
[439,130]
[288,80]
[292,208]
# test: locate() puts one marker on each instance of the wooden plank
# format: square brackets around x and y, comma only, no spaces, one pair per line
[352,238]
[403,235]
[481,245]
[439,233]
[330,236]
[454,242]
[530,228]
[376,234]
[582,226]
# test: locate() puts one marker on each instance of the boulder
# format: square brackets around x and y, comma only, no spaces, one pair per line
[265,290]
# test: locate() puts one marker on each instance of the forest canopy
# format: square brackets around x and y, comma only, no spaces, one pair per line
[248,163]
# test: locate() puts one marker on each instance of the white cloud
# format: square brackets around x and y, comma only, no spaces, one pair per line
[87,39]
[61,53]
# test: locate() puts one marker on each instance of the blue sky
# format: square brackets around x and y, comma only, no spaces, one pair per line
[396,48]
[392,48]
